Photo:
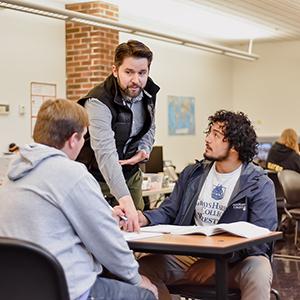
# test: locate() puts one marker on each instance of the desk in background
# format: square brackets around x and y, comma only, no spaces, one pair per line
[218,247]
[147,195]
[162,191]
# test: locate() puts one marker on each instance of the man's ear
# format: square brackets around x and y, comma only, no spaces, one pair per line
[234,151]
[72,141]
[115,71]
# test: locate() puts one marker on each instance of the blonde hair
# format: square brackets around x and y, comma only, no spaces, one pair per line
[289,138]
[57,120]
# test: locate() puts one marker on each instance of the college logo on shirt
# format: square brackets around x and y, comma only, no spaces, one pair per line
[218,192]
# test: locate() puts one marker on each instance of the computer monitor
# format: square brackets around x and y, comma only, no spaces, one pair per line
[155,164]
[262,153]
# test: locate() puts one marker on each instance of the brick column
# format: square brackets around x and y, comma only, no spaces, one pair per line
[89,49]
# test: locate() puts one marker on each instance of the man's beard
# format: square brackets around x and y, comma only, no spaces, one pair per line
[130,94]
[126,91]
[217,158]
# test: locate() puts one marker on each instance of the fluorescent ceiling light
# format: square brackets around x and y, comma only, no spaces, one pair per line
[98,24]
[161,37]
[201,47]
[236,55]
[33,10]
[69,15]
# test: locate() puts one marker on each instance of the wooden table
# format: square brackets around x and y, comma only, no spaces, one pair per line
[218,247]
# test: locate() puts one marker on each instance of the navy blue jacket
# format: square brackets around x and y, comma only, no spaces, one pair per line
[253,200]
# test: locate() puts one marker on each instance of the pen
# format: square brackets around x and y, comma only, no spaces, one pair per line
[124,218]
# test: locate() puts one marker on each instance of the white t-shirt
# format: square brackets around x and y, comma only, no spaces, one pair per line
[214,196]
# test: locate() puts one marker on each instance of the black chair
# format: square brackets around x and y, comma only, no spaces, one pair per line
[193,291]
[290,181]
[29,272]
[279,195]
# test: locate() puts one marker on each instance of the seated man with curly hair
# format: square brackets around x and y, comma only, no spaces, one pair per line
[225,187]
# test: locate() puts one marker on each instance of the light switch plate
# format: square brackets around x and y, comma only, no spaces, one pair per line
[21,109]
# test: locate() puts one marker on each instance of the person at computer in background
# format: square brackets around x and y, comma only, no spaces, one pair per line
[122,128]
[56,203]
[225,187]
[284,153]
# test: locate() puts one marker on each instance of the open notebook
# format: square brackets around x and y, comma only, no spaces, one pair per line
[243,229]
[130,236]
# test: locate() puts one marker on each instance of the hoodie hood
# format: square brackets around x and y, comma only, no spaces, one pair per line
[29,158]
[282,151]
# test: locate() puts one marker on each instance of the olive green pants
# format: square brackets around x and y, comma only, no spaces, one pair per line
[134,184]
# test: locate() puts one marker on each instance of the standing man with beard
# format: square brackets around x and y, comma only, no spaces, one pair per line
[226,187]
[122,128]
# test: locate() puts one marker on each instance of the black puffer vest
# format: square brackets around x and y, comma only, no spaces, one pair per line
[108,93]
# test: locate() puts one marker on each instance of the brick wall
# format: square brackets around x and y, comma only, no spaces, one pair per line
[89,49]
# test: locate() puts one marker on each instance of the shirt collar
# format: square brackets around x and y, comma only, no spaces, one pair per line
[134,99]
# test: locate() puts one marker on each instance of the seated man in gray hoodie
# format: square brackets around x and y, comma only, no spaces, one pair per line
[56,203]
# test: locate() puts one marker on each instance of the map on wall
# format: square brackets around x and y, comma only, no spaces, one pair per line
[181,112]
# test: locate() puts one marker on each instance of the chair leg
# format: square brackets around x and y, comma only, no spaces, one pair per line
[275,293]
[296,232]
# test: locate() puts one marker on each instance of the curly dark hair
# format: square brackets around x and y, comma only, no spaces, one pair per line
[239,132]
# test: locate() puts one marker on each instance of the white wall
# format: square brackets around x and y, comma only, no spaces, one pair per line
[32,49]
[268,89]
[183,71]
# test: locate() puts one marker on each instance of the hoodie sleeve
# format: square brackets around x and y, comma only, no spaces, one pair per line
[91,217]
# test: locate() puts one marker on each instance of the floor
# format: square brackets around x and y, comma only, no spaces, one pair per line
[286,269]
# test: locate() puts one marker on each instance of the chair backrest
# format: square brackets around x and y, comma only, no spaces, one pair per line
[278,188]
[290,181]
[29,272]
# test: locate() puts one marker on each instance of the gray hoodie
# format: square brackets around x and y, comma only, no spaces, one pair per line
[55,202]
